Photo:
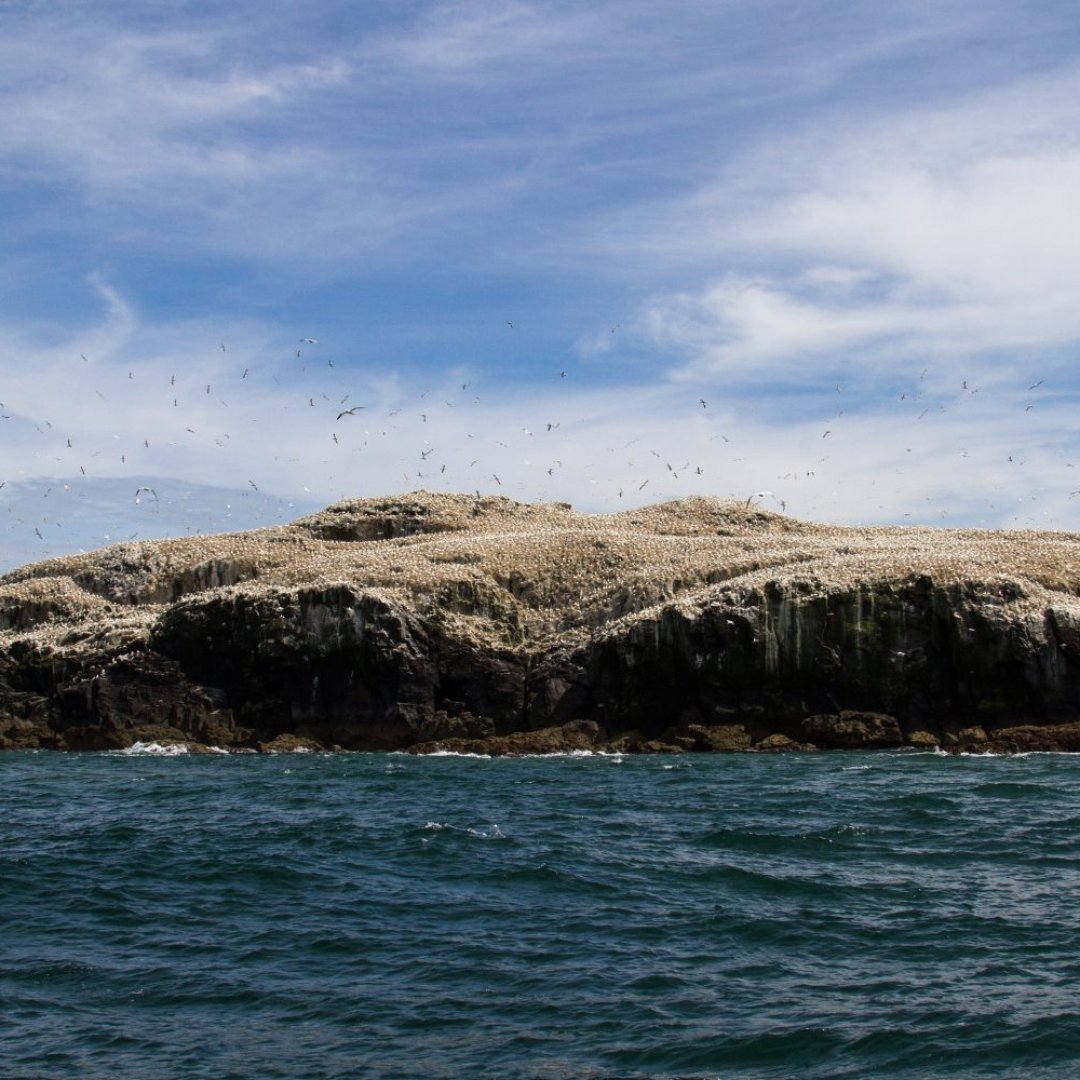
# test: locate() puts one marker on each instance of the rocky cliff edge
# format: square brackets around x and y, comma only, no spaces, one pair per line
[479,624]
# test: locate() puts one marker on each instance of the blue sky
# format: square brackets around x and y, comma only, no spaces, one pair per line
[604,253]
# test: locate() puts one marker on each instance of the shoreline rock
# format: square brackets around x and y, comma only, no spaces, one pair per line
[433,622]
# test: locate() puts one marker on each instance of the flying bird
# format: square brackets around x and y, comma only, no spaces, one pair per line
[140,490]
[309,341]
[350,412]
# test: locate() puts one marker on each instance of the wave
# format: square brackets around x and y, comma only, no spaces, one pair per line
[154,749]
[491,832]
[740,916]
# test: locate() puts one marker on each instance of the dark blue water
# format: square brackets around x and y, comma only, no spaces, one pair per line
[358,915]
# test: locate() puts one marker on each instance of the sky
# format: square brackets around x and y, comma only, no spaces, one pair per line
[822,255]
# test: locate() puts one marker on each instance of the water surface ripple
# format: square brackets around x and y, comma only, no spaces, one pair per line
[820,915]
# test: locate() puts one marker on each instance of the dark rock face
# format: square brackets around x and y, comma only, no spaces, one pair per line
[217,652]
[932,659]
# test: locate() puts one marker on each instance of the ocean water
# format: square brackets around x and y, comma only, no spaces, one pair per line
[366,915]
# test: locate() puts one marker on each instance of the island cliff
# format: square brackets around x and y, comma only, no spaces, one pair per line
[428,621]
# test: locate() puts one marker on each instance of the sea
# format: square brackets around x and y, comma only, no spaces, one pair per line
[589,916]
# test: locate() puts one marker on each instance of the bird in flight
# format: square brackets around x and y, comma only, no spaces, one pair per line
[140,490]
[350,412]
[309,341]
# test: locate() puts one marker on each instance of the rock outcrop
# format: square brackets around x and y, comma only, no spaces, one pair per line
[478,624]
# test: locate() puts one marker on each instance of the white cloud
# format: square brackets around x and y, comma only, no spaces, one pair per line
[118,108]
[739,323]
[950,229]
[260,445]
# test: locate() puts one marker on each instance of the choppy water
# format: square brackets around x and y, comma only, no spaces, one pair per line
[365,915]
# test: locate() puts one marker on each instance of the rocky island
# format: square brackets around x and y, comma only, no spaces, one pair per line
[479,624]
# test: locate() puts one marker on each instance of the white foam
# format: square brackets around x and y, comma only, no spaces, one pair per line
[614,754]
[1018,754]
[156,749]
[492,832]
[453,753]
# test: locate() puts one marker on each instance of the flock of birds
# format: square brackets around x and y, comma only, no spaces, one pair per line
[444,455]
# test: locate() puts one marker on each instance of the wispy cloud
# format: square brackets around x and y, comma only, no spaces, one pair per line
[115,108]
[943,231]
[470,39]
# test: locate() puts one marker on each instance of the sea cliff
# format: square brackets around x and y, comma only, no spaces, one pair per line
[478,624]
